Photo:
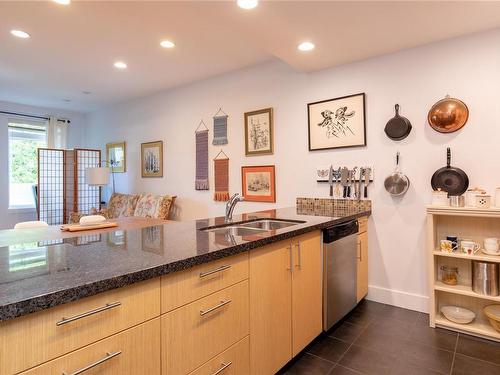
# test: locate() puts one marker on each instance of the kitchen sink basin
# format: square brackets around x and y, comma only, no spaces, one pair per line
[270,224]
[234,230]
[251,227]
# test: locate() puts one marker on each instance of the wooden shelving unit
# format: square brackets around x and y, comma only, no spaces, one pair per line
[463,222]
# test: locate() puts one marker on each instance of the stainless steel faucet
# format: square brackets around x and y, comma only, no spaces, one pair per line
[231,203]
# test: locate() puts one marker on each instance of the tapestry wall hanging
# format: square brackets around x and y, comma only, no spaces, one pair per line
[337,123]
[201,135]
[221,171]
[220,128]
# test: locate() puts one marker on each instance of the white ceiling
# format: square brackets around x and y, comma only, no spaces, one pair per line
[72,48]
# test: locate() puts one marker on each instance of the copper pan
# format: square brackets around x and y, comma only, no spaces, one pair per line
[448,115]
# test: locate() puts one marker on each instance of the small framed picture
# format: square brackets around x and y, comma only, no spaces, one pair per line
[152,159]
[259,137]
[259,183]
[115,153]
[337,123]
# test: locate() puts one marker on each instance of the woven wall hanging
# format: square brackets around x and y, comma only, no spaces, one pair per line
[220,128]
[201,182]
[221,171]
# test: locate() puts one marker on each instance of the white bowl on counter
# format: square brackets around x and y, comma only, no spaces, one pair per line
[458,314]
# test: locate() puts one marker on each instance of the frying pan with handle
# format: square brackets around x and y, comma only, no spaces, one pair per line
[453,180]
[397,183]
[398,127]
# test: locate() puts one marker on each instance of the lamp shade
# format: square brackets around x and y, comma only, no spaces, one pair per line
[97,176]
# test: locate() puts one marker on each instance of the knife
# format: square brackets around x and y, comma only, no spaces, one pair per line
[368,171]
[330,181]
[344,175]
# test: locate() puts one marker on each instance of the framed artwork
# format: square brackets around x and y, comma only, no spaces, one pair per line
[152,159]
[259,137]
[115,155]
[259,183]
[337,123]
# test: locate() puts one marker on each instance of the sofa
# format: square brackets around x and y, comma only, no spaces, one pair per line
[137,205]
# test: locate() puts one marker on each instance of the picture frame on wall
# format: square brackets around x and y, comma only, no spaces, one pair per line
[115,155]
[337,123]
[152,159]
[259,132]
[259,183]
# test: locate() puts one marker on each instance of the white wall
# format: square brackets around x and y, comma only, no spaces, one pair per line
[75,136]
[468,68]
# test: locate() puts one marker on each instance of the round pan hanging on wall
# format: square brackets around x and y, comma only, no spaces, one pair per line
[448,115]
[398,127]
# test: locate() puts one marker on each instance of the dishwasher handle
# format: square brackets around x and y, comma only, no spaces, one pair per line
[339,231]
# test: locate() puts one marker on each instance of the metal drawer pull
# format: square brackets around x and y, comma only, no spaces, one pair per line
[222,303]
[215,270]
[88,313]
[359,248]
[299,265]
[96,363]
[222,368]
[291,258]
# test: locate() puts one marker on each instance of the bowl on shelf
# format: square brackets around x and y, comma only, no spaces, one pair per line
[493,314]
[458,314]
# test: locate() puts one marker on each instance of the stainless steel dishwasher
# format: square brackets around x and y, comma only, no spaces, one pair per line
[340,247]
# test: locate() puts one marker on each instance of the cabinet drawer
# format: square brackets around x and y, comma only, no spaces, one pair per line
[45,335]
[187,286]
[131,352]
[233,361]
[194,333]
[363,224]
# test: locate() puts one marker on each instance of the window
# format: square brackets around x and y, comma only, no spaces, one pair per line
[25,137]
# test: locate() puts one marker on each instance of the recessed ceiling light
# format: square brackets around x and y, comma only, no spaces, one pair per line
[167,44]
[86,92]
[20,34]
[247,4]
[305,46]
[120,65]
[62,2]
[66,100]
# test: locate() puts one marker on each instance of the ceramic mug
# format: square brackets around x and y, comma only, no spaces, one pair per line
[454,241]
[491,245]
[446,246]
[469,247]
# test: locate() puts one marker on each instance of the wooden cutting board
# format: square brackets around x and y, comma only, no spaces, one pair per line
[78,227]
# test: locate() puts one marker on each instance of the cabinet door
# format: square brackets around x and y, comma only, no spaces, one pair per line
[306,290]
[270,308]
[362,280]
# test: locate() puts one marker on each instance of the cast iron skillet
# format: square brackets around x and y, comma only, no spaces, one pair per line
[398,127]
[453,180]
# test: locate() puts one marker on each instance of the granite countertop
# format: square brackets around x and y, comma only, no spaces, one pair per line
[39,275]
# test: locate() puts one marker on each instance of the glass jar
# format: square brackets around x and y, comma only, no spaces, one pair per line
[449,275]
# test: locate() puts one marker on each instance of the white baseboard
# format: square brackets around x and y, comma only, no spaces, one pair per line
[398,298]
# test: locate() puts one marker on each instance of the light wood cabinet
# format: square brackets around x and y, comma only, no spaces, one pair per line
[131,352]
[306,291]
[40,337]
[233,361]
[194,333]
[362,264]
[270,308]
[285,301]
[180,288]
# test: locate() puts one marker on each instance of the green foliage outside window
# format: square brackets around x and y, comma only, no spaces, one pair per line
[24,160]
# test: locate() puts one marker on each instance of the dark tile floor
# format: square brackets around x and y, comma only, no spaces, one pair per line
[377,339]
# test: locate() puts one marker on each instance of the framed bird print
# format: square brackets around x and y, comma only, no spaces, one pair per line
[337,123]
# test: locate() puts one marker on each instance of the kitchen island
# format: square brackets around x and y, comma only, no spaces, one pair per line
[122,300]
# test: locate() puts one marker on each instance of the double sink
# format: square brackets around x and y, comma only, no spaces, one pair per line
[249,228]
